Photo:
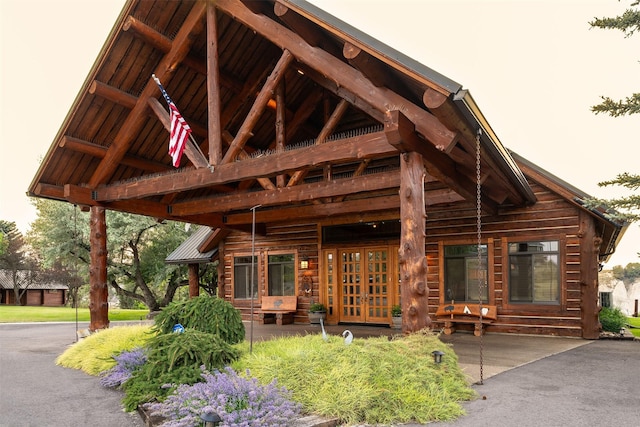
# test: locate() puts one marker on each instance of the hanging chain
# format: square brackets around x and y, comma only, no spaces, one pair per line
[481,273]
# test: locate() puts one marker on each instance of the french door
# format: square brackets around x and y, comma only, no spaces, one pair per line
[366,285]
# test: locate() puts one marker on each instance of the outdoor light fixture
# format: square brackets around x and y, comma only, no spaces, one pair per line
[304,264]
[437,356]
[211,419]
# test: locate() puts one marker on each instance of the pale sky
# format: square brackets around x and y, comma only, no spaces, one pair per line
[533,67]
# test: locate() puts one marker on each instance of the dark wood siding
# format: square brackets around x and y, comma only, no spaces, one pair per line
[297,238]
[552,218]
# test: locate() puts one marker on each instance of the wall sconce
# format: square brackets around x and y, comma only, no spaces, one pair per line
[437,356]
[210,419]
[304,264]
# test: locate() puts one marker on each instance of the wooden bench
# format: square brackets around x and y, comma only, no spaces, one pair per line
[454,313]
[278,309]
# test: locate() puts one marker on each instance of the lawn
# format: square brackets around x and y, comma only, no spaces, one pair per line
[21,314]
[635,322]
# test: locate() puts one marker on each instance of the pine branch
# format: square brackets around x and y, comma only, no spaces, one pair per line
[628,22]
[631,105]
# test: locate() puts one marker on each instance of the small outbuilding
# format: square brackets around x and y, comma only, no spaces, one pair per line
[32,292]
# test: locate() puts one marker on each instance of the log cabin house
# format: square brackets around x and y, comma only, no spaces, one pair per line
[36,292]
[341,170]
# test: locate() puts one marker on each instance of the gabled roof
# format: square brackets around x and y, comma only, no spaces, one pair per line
[611,230]
[6,282]
[291,109]
[189,251]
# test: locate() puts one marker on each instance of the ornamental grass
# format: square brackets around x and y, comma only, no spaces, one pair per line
[373,381]
[94,354]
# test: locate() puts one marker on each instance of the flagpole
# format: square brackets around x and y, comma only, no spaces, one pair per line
[179,129]
[191,138]
[253,249]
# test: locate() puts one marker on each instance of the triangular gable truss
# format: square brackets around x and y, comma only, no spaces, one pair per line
[266,87]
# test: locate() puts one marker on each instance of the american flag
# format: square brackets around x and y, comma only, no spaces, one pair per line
[180,130]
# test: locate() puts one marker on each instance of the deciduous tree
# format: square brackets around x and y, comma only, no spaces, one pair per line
[16,261]
[137,247]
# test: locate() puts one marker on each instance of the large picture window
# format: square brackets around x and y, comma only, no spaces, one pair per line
[282,271]
[534,273]
[242,277]
[464,279]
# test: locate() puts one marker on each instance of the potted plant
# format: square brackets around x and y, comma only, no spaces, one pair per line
[317,311]
[396,316]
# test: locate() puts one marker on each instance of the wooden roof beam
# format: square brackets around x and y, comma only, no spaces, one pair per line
[339,208]
[366,64]
[98,151]
[360,147]
[214,106]
[401,133]
[85,196]
[300,25]
[289,195]
[162,43]
[193,153]
[244,133]
[136,119]
[345,76]
[214,239]
[438,104]
[326,130]
[113,94]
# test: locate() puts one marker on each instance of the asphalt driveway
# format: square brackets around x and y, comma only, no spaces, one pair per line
[597,384]
[529,381]
[36,392]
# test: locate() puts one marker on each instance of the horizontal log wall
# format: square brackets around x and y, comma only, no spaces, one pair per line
[300,238]
[552,218]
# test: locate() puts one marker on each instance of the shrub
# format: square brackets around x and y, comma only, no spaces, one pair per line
[205,314]
[175,359]
[612,319]
[94,354]
[238,401]
[317,308]
[126,363]
[396,311]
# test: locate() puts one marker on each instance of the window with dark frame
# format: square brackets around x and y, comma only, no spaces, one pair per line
[242,277]
[282,270]
[534,272]
[605,299]
[462,277]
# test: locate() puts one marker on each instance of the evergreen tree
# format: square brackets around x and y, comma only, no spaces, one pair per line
[629,206]
[628,23]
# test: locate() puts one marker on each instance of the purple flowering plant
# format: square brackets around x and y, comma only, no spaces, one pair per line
[126,363]
[239,401]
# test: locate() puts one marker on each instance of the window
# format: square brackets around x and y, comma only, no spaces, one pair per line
[282,272]
[605,299]
[462,275]
[534,274]
[242,277]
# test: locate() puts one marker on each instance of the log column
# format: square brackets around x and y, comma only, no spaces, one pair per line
[194,280]
[590,249]
[411,255]
[99,294]
[220,284]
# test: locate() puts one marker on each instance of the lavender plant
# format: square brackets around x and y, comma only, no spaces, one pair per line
[126,363]
[240,402]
